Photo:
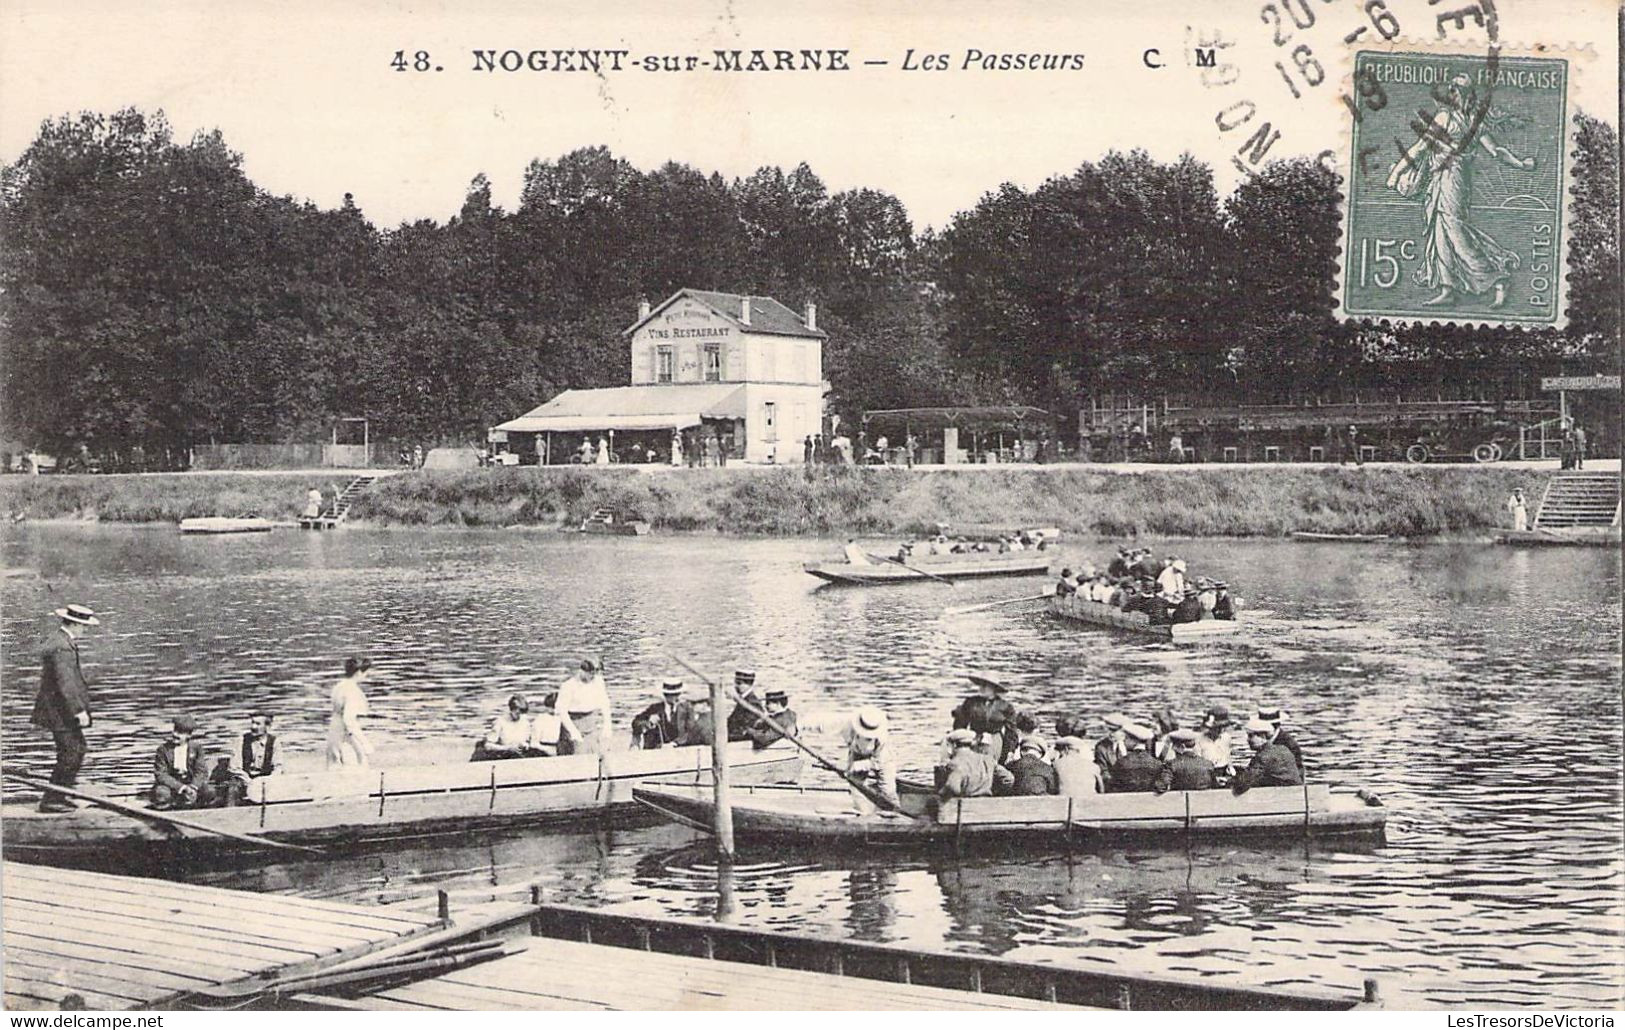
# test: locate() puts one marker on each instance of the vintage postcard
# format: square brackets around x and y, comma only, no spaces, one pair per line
[725,505]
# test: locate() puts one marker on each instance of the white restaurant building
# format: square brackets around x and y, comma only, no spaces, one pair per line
[746,372]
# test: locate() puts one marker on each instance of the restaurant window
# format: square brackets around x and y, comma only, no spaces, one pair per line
[665,364]
[713,362]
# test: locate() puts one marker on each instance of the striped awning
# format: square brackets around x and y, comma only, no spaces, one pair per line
[632,408]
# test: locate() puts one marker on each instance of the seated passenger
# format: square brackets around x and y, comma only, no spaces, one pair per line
[1026,726]
[1111,747]
[1101,592]
[1076,775]
[1188,609]
[1066,586]
[1136,770]
[855,555]
[509,734]
[181,780]
[1118,568]
[1275,717]
[1030,774]
[546,729]
[968,773]
[1214,742]
[1016,544]
[665,722]
[1272,764]
[780,721]
[1224,607]
[1206,596]
[258,759]
[1187,770]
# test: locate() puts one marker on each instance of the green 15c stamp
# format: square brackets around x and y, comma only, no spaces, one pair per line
[1455,199]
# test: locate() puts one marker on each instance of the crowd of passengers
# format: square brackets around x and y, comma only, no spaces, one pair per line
[995,749]
[1135,581]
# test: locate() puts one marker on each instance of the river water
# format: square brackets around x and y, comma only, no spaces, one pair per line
[1476,689]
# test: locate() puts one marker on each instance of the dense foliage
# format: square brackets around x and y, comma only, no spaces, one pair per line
[150,294]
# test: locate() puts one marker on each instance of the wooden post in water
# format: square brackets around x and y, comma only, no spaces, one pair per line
[724,820]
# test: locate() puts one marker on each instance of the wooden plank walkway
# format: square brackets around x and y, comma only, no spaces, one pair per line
[119,942]
[560,975]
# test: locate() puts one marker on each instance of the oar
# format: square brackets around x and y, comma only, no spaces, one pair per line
[154,814]
[912,569]
[963,609]
[867,791]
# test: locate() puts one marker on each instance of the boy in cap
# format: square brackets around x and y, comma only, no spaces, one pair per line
[741,719]
[1272,765]
[181,778]
[969,773]
[1030,774]
[1137,770]
[1187,770]
[62,706]
[779,722]
[1111,747]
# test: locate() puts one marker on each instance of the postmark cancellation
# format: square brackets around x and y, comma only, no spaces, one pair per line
[1456,186]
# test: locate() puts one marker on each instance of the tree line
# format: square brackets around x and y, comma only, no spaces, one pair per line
[152,295]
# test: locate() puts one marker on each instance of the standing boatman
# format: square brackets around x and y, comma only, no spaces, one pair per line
[63,703]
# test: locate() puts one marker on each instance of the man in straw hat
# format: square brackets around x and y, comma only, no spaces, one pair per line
[1111,747]
[1272,765]
[666,722]
[869,756]
[63,703]
[969,773]
[1276,716]
[779,722]
[741,719]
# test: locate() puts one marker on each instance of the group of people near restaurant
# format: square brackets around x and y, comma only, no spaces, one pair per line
[1135,581]
[995,749]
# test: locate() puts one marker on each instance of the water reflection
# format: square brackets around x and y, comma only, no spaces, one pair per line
[1476,689]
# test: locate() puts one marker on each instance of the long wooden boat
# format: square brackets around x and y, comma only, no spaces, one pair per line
[944,566]
[226,524]
[359,807]
[1339,538]
[825,815]
[1096,614]
[994,530]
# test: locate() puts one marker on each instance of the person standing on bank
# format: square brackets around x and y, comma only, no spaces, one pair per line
[1519,509]
[347,743]
[583,710]
[62,706]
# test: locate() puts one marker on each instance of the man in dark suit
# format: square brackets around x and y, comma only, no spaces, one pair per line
[181,780]
[63,703]
[1272,765]
[667,722]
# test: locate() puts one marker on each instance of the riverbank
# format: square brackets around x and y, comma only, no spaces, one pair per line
[1402,500]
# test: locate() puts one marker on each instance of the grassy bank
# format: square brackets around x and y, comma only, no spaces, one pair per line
[1403,500]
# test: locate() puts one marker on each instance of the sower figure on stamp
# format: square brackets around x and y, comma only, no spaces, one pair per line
[1457,257]
[63,703]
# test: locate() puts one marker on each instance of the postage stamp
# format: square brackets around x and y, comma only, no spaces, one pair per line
[1455,195]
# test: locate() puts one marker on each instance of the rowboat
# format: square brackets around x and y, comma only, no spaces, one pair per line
[608,522]
[942,566]
[1340,538]
[1095,613]
[370,805]
[227,524]
[825,816]
[993,530]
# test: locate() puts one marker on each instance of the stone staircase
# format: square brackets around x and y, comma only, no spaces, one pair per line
[333,516]
[1575,499]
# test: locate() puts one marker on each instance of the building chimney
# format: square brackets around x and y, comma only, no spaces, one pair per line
[744,310]
[643,308]
[812,315]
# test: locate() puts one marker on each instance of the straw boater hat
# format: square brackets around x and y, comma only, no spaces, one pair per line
[671,687]
[869,721]
[1183,738]
[1259,726]
[1034,745]
[961,738]
[1137,731]
[1116,721]
[982,679]
[1070,744]
[1272,715]
[745,677]
[78,613]
[776,697]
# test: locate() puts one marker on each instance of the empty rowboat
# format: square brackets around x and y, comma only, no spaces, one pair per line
[939,566]
[212,524]
[823,815]
[345,807]
[1340,538]
[1095,613]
